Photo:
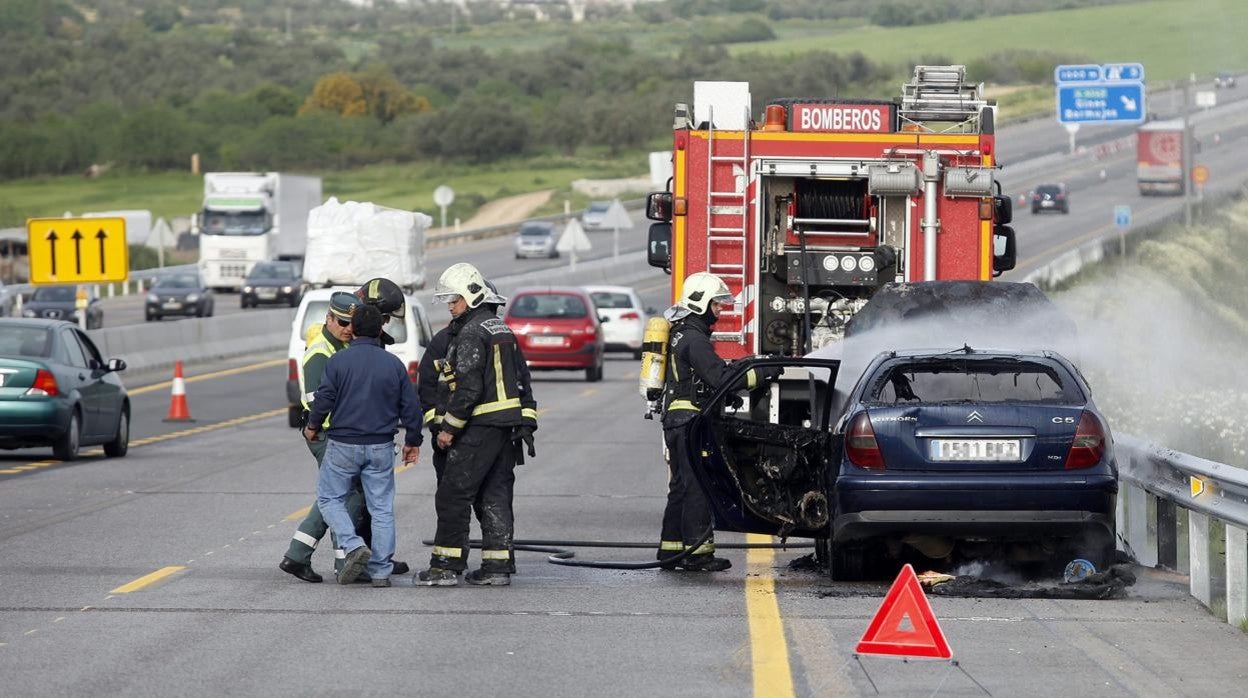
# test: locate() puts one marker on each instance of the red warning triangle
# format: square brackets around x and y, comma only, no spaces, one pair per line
[921,637]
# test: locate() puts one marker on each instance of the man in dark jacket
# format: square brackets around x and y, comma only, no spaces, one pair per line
[694,371]
[369,391]
[480,409]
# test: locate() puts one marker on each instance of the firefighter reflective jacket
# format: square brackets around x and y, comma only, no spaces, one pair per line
[321,346]
[694,371]
[480,381]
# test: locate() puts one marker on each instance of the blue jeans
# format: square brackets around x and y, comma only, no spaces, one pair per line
[374,464]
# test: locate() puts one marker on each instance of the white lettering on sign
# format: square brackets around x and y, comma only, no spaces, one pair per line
[842,117]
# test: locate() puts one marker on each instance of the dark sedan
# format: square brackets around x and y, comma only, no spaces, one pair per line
[178,294]
[57,390]
[272,282]
[61,303]
[951,455]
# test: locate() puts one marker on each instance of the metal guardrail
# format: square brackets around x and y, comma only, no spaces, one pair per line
[510,228]
[1162,491]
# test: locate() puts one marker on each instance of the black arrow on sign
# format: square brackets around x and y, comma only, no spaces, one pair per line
[101,236]
[77,238]
[51,238]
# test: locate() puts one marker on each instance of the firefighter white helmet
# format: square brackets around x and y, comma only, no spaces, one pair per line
[699,292]
[463,280]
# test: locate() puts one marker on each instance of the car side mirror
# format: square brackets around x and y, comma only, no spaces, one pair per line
[116,365]
[659,245]
[603,318]
[659,206]
[1005,250]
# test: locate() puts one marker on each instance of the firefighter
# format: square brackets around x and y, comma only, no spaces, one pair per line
[431,366]
[694,371]
[480,410]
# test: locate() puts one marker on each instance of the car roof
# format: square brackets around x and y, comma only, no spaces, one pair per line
[538,224]
[610,289]
[970,352]
[35,322]
[549,290]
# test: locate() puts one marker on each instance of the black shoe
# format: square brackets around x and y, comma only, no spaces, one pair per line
[380,582]
[704,563]
[355,563]
[436,577]
[400,567]
[483,578]
[300,570]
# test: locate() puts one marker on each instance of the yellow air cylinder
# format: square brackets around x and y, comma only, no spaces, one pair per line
[654,357]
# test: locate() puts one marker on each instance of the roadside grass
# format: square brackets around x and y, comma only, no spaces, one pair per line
[406,186]
[1172,38]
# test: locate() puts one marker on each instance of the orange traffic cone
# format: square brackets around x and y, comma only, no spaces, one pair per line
[178,410]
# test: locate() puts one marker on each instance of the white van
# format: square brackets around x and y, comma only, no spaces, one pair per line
[411,336]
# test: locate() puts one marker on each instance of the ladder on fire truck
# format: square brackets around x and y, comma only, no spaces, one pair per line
[940,94]
[727,229]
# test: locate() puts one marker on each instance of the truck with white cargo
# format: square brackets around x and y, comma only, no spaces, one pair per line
[350,242]
[251,217]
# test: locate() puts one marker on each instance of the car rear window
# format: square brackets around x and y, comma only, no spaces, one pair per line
[951,380]
[315,315]
[604,299]
[54,294]
[548,306]
[1048,190]
[16,340]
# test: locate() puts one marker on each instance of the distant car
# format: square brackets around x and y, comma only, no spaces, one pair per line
[272,282]
[178,294]
[1050,197]
[536,239]
[56,390]
[1224,79]
[61,303]
[558,329]
[594,215]
[411,335]
[626,324]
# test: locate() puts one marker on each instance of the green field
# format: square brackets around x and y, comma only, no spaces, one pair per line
[1172,38]
[401,186]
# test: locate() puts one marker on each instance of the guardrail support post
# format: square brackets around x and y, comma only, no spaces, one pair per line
[1167,534]
[1133,521]
[1198,550]
[1236,575]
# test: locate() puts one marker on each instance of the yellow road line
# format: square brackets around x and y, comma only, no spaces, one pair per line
[147,579]
[298,515]
[205,376]
[769,651]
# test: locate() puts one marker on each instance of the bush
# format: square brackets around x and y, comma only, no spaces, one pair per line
[739,32]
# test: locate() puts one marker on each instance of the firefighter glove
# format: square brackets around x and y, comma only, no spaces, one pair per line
[525,434]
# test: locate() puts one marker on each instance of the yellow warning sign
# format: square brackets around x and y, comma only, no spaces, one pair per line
[77,250]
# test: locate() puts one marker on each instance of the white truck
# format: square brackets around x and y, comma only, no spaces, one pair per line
[352,242]
[251,217]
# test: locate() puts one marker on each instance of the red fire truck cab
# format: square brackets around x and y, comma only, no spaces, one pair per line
[807,214]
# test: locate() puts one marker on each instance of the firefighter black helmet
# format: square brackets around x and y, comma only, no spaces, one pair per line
[383,294]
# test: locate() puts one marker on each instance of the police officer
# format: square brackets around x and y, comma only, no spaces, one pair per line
[480,409]
[323,342]
[694,371]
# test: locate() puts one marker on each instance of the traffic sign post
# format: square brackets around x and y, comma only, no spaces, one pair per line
[573,240]
[1112,93]
[1122,220]
[617,219]
[443,196]
[77,250]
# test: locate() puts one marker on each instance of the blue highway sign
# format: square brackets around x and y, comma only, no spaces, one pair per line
[1100,103]
[1122,72]
[1077,73]
[1122,216]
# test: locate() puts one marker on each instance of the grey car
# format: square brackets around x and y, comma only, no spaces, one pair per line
[61,303]
[536,239]
[595,214]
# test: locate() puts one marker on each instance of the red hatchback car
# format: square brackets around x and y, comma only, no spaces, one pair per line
[558,328]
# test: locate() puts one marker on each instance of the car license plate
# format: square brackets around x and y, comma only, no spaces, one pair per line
[987,450]
[1046,204]
[266,292]
[546,340]
[171,306]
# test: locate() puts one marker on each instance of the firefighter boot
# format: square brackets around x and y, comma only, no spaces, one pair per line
[436,577]
[706,562]
[483,577]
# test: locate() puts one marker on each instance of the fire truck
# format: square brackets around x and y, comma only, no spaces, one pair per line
[810,212]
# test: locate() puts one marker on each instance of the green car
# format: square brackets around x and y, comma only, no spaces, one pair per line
[56,390]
